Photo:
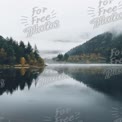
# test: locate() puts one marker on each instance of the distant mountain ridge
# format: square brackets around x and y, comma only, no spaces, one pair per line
[101,44]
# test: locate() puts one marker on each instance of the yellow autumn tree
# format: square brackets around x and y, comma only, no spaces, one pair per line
[22,61]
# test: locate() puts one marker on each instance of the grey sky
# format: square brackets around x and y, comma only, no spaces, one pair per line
[74,26]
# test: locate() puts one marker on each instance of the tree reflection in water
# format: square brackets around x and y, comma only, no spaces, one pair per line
[17,78]
[95,78]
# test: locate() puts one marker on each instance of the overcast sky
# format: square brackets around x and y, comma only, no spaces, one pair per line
[74,28]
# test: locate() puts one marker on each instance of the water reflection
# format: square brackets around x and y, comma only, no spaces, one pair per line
[12,79]
[72,94]
[107,80]
[103,79]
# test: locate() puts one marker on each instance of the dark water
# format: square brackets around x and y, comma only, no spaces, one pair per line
[61,93]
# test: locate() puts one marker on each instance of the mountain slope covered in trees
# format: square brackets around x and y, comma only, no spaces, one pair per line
[99,46]
[104,48]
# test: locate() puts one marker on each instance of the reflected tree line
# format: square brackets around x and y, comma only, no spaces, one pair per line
[13,79]
[95,78]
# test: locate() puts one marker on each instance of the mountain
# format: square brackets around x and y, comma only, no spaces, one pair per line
[101,47]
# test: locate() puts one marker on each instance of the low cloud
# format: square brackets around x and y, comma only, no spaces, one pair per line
[85,35]
[50,51]
[66,41]
[49,54]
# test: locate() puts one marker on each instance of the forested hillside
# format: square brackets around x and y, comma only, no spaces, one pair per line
[98,49]
[12,52]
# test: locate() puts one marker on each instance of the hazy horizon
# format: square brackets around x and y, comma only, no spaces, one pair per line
[74,23]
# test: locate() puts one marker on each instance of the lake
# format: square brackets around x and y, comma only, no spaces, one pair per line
[62,93]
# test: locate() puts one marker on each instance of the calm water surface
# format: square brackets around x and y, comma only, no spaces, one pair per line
[62,93]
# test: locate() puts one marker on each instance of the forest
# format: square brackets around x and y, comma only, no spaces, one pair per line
[103,48]
[15,53]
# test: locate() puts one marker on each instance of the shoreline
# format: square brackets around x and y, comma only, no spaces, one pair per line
[19,66]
